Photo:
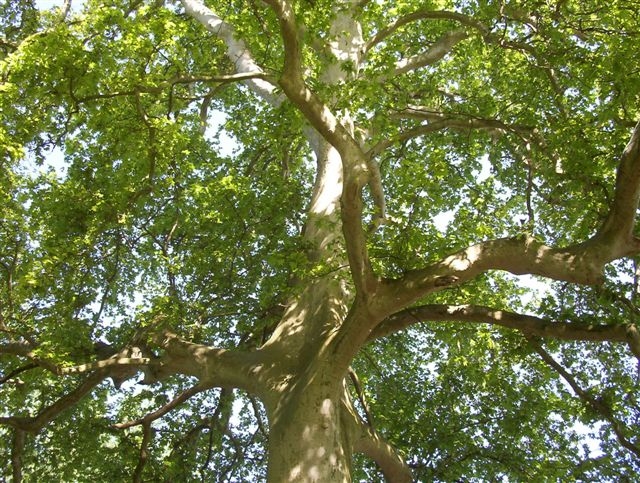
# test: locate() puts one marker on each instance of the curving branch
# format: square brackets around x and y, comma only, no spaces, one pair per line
[424,15]
[527,324]
[415,132]
[461,121]
[598,405]
[581,263]
[490,37]
[367,441]
[158,413]
[48,414]
[437,121]
[620,221]
[434,53]
[355,380]
[371,444]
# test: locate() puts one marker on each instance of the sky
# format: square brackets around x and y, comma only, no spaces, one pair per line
[48,4]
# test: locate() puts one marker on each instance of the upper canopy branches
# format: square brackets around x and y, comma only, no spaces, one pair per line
[581,263]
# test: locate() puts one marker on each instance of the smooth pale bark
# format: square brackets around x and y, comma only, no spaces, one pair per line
[307,440]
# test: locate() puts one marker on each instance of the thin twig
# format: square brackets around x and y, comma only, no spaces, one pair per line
[596,404]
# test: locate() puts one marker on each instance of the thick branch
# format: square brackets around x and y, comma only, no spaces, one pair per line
[582,263]
[26,349]
[294,86]
[355,164]
[528,324]
[367,441]
[112,362]
[621,219]
[147,434]
[598,405]
[212,366]
[355,380]
[372,445]
[17,449]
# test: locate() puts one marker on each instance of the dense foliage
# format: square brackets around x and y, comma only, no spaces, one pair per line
[150,182]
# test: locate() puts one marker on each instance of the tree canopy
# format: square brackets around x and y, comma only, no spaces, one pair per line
[320,240]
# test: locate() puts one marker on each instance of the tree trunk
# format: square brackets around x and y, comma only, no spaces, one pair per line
[308,441]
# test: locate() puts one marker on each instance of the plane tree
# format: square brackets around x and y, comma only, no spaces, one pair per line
[319,241]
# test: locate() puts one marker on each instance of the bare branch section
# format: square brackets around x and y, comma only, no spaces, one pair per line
[596,404]
[489,37]
[212,366]
[237,51]
[437,121]
[528,324]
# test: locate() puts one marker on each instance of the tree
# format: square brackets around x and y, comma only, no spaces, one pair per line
[304,223]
